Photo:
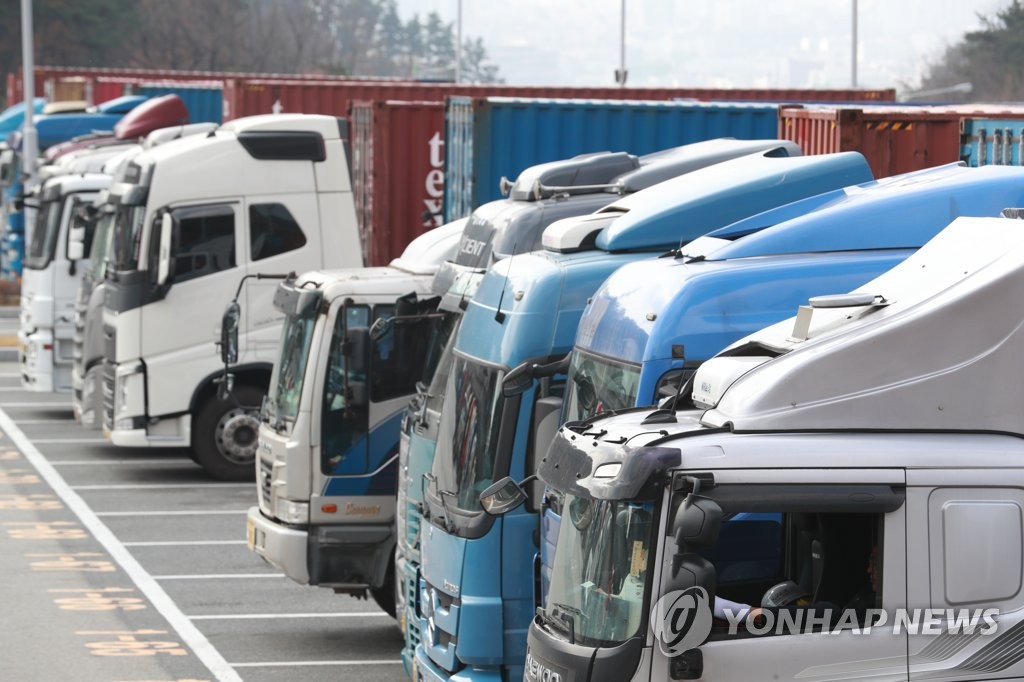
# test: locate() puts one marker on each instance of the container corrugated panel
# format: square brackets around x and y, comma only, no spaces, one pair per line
[247,97]
[992,142]
[893,139]
[397,173]
[203,100]
[491,138]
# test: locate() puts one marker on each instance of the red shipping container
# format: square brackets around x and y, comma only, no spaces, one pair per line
[397,173]
[248,97]
[894,140]
[45,77]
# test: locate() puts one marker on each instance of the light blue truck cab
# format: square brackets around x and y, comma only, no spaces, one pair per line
[540,195]
[477,591]
[652,323]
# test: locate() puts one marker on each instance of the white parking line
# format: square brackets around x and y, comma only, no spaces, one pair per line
[69,441]
[183,543]
[189,633]
[98,462]
[190,512]
[159,486]
[272,616]
[299,664]
[22,403]
[22,422]
[218,576]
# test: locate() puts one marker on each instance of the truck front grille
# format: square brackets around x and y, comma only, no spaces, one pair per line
[265,473]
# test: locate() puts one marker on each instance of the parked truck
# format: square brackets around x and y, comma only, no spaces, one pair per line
[539,196]
[96,232]
[266,194]
[476,611]
[353,345]
[854,469]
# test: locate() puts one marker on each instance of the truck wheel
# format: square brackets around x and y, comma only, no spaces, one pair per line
[226,434]
[385,594]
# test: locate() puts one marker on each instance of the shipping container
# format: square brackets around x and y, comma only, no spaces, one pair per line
[494,137]
[203,99]
[247,97]
[894,140]
[992,142]
[397,173]
[53,77]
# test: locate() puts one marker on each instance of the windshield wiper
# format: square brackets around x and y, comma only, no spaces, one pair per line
[566,615]
[431,478]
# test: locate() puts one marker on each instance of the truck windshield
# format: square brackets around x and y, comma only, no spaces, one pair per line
[600,570]
[98,254]
[597,384]
[467,456]
[438,375]
[44,237]
[127,237]
[290,368]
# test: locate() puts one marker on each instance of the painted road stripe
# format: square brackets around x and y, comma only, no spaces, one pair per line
[299,664]
[21,403]
[268,616]
[189,633]
[160,486]
[218,576]
[69,441]
[46,421]
[190,512]
[183,543]
[89,462]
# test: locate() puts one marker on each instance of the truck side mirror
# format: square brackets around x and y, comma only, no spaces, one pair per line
[502,496]
[163,273]
[518,380]
[229,333]
[357,360]
[695,526]
[76,244]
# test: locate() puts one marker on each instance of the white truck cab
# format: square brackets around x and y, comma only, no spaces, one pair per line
[50,279]
[845,501]
[260,195]
[351,352]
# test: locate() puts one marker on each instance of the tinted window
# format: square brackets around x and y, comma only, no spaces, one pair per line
[273,230]
[206,244]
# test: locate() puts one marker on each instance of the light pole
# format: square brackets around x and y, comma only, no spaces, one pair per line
[853,49]
[621,73]
[29,140]
[458,44]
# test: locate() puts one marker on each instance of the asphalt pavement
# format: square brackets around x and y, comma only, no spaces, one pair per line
[130,565]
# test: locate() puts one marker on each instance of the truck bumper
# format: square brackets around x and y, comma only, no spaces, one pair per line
[173,432]
[341,556]
[281,547]
[425,670]
[35,358]
[87,397]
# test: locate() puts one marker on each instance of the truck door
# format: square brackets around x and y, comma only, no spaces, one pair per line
[839,548]
[179,330]
[966,528]
[66,279]
[281,236]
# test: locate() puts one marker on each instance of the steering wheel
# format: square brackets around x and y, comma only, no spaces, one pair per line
[786,593]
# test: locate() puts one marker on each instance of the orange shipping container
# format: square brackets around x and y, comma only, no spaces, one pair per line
[893,140]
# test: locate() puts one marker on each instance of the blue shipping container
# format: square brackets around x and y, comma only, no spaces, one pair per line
[991,142]
[205,103]
[487,138]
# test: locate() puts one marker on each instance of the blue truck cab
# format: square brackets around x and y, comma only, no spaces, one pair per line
[540,195]
[477,591]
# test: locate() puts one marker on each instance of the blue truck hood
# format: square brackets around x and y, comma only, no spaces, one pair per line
[14,116]
[898,212]
[684,208]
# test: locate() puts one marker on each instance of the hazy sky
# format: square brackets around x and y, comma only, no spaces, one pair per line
[713,43]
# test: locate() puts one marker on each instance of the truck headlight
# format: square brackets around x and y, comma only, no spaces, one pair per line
[292,512]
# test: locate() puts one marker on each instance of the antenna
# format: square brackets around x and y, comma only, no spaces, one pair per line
[498,315]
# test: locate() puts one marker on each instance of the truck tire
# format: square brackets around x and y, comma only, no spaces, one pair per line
[226,433]
[385,595]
